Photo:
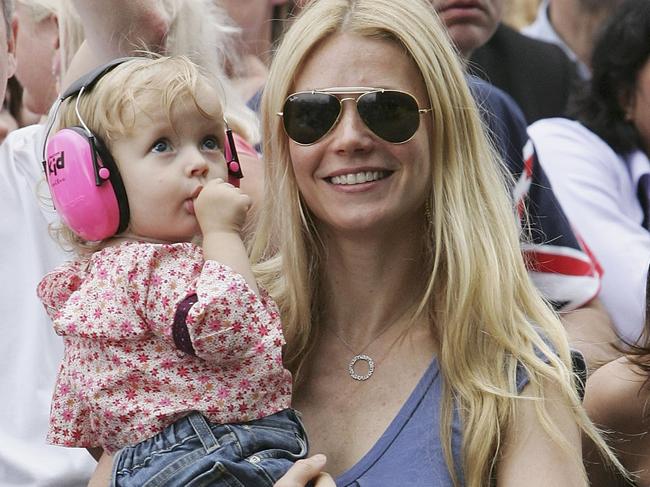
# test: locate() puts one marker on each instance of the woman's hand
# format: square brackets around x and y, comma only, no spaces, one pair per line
[305,470]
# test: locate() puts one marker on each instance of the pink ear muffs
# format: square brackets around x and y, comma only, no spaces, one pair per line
[85,184]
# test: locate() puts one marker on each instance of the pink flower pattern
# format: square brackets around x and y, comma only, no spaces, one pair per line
[122,380]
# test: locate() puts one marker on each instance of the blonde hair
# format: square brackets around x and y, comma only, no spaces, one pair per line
[493,320]
[139,85]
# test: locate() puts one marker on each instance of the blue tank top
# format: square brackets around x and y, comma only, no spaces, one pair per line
[409,453]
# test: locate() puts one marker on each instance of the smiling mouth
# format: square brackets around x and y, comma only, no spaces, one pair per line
[359,177]
[461,5]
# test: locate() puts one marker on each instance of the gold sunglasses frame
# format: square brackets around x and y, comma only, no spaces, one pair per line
[351,90]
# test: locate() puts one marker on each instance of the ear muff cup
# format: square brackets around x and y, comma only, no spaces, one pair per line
[85,184]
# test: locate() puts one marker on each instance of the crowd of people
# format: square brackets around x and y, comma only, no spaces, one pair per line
[325,242]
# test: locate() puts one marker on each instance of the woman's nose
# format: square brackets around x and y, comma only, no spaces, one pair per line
[351,133]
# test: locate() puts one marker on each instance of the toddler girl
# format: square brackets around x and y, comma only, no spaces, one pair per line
[173,357]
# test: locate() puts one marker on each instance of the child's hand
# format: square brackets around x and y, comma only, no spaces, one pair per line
[221,207]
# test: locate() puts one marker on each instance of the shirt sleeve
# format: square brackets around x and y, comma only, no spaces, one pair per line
[229,320]
[224,318]
[559,262]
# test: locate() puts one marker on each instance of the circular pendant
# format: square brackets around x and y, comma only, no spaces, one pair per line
[369,362]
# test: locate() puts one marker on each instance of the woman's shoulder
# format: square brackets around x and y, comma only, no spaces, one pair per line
[616,397]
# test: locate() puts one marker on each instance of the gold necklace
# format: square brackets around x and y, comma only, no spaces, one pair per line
[362,357]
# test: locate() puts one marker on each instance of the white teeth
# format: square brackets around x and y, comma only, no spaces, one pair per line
[358,178]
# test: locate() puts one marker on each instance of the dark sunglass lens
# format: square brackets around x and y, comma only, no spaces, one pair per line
[392,115]
[309,116]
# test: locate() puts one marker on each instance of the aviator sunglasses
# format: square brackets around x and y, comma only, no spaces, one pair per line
[392,115]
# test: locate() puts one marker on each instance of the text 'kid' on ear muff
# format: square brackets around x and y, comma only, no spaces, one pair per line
[85,184]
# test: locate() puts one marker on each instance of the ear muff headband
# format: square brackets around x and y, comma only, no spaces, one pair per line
[84,181]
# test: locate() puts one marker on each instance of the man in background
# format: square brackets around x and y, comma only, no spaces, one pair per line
[572,25]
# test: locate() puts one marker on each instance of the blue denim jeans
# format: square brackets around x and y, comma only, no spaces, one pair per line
[193,452]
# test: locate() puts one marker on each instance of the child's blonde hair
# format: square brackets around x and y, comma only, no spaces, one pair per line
[139,85]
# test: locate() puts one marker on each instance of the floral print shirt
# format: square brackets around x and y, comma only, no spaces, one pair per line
[122,379]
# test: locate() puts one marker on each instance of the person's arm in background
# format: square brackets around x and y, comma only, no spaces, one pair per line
[591,331]
[115,29]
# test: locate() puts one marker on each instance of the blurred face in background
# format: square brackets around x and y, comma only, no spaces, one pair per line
[254,18]
[7,47]
[470,23]
[37,44]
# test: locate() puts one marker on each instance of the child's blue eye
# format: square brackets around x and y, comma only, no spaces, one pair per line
[210,143]
[161,145]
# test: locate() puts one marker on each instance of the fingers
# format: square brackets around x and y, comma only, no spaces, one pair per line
[324,480]
[303,471]
[225,183]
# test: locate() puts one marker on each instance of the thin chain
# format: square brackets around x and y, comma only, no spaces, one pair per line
[365,347]
[362,356]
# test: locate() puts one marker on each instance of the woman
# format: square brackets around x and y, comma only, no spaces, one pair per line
[390,244]
[599,164]
[388,240]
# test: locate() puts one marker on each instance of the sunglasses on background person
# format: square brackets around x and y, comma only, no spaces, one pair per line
[392,115]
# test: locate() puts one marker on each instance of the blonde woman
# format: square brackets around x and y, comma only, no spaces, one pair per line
[422,354]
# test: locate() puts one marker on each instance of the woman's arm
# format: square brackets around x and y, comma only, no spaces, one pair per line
[616,402]
[530,456]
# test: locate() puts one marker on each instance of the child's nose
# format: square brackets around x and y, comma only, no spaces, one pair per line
[198,165]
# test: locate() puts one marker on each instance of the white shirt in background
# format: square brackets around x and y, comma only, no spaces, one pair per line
[30,351]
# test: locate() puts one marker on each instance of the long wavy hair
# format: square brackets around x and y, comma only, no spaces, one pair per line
[490,318]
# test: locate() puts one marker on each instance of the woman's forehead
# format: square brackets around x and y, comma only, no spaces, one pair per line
[353,60]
